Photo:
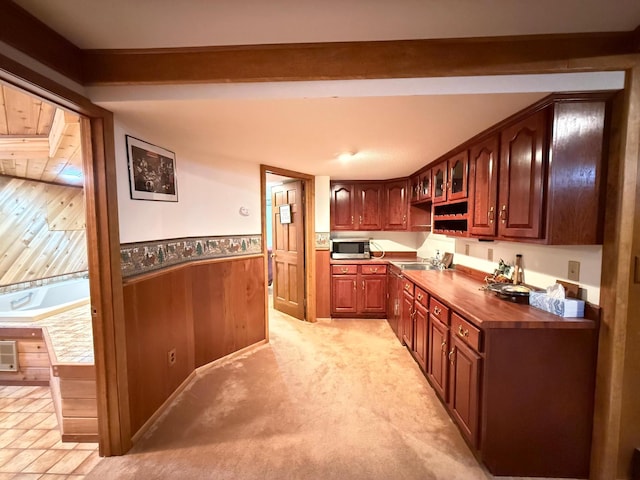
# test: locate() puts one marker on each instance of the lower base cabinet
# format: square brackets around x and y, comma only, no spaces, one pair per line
[521,397]
[359,290]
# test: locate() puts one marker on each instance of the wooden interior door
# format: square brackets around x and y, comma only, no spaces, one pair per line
[288,249]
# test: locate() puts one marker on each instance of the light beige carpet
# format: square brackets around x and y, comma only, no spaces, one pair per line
[331,400]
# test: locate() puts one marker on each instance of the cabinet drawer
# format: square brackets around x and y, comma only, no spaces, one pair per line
[468,333]
[439,311]
[373,269]
[407,286]
[422,297]
[344,269]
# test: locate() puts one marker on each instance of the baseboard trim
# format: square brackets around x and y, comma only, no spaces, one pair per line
[198,371]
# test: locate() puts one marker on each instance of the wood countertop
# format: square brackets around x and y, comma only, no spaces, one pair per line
[463,294]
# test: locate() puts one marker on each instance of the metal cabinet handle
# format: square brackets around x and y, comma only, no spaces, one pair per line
[362,284]
[419,296]
[344,269]
[503,214]
[406,286]
[354,285]
[443,348]
[360,219]
[374,269]
[491,215]
[461,332]
[451,353]
[436,311]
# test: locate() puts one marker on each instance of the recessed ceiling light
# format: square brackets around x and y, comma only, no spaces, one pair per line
[346,156]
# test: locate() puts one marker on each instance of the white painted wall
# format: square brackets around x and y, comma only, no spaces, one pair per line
[542,264]
[323,198]
[210,195]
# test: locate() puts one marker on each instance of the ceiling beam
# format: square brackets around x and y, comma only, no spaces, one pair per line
[355,60]
[26,33]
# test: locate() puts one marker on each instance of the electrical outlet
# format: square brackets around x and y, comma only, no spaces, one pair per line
[490,254]
[466,249]
[171,357]
[574,271]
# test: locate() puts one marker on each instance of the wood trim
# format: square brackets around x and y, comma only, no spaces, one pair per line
[616,429]
[26,33]
[104,259]
[309,234]
[353,60]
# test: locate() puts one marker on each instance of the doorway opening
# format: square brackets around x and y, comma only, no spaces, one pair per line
[44,274]
[289,241]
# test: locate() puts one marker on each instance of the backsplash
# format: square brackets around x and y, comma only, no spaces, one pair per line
[143,257]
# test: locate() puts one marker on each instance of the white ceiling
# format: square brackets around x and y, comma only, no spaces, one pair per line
[395,126]
[170,23]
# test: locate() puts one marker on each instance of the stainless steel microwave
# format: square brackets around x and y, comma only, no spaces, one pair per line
[345,248]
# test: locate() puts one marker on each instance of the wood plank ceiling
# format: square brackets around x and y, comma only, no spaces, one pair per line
[37,140]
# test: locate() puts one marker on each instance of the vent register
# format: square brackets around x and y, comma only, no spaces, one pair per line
[8,356]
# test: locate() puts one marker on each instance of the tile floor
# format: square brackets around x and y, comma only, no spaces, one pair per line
[30,446]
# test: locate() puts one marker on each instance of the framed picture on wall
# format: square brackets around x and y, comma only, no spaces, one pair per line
[152,171]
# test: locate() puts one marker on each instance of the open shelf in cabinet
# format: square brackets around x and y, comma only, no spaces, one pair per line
[451,218]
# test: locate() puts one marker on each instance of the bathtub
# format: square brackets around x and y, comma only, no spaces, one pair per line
[41,302]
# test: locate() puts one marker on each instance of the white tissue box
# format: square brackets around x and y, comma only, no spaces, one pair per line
[567,307]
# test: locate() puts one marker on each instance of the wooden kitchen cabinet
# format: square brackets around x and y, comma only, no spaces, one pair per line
[420,332]
[438,343]
[458,173]
[406,314]
[396,205]
[358,290]
[464,388]
[344,289]
[540,177]
[522,169]
[421,187]
[439,182]
[356,206]
[483,186]
[394,299]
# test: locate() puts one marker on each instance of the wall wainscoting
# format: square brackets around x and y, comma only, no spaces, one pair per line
[143,257]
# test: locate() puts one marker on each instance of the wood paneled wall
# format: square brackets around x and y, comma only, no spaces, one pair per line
[203,310]
[42,230]
[323,283]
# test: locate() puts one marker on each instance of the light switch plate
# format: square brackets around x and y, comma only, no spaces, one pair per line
[574,271]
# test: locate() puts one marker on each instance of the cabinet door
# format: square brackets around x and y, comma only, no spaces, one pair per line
[406,320]
[395,205]
[483,187]
[420,335]
[522,170]
[373,294]
[344,294]
[343,203]
[438,364]
[439,183]
[393,304]
[415,189]
[369,207]
[464,385]
[425,190]
[458,172]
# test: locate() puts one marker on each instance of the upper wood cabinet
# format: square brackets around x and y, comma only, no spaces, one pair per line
[483,186]
[458,172]
[522,169]
[370,206]
[421,190]
[396,205]
[439,182]
[356,206]
[450,178]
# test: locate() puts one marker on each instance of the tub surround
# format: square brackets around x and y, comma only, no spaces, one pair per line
[58,351]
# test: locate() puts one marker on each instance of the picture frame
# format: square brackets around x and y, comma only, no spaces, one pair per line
[152,171]
[285,213]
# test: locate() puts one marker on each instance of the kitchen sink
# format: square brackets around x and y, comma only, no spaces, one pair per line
[415,266]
